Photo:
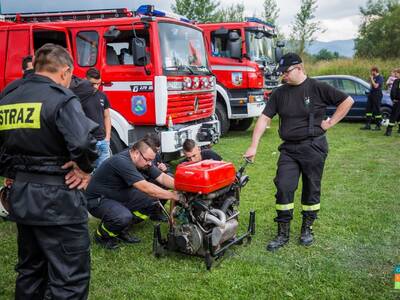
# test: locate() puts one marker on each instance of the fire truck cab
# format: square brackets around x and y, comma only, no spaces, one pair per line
[242,57]
[154,68]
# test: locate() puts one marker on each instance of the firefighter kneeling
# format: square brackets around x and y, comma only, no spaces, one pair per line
[119,195]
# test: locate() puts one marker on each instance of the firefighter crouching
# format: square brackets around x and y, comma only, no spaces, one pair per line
[47,148]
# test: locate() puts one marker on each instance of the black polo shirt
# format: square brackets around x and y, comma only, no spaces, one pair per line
[293,104]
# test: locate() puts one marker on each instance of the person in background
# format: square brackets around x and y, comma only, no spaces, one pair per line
[193,153]
[395,96]
[373,110]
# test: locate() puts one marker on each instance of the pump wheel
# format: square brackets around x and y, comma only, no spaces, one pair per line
[241,125]
[222,117]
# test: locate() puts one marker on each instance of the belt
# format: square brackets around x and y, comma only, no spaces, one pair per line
[40,178]
[307,140]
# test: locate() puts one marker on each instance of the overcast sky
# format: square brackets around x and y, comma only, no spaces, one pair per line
[340,18]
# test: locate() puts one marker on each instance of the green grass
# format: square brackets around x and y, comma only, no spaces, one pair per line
[357,235]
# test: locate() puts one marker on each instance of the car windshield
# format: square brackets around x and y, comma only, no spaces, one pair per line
[259,46]
[182,50]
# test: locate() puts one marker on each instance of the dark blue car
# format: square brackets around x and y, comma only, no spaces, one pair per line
[358,89]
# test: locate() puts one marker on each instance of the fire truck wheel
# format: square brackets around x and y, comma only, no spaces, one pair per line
[241,125]
[116,144]
[222,117]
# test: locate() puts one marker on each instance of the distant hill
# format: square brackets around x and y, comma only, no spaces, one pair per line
[343,47]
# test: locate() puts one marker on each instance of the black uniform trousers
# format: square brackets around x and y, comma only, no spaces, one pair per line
[116,215]
[395,114]
[54,260]
[305,158]
[373,109]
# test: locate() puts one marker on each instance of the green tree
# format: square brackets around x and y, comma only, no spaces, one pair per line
[325,54]
[304,28]
[233,13]
[379,34]
[271,11]
[199,10]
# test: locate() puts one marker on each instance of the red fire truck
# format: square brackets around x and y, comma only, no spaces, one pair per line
[153,65]
[243,58]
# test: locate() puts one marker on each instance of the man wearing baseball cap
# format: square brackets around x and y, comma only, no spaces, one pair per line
[300,103]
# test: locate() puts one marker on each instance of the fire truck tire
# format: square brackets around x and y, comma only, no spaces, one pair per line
[222,117]
[116,145]
[241,124]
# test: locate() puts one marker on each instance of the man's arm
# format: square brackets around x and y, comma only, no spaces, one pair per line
[262,124]
[341,111]
[155,191]
[166,181]
[107,124]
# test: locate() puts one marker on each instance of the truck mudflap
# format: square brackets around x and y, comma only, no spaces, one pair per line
[203,133]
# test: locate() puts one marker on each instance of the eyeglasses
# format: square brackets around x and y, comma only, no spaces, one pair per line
[147,160]
[289,70]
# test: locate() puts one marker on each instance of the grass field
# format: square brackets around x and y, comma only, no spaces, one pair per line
[357,235]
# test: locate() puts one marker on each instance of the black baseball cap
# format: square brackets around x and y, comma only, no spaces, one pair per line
[289,59]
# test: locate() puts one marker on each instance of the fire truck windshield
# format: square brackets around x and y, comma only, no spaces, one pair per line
[259,46]
[182,50]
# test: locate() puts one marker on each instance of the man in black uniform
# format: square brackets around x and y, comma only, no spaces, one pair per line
[300,104]
[27,70]
[395,96]
[43,134]
[193,153]
[373,109]
[118,192]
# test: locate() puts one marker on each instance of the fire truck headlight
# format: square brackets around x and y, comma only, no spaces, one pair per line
[175,85]
[187,83]
[205,83]
[196,82]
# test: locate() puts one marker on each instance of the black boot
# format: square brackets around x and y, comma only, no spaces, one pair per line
[282,237]
[126,237]
[388,131]
[367,125]
[105,238]
[377,126]
[307,236]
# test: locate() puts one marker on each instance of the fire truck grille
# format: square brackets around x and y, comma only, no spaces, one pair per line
[184,108]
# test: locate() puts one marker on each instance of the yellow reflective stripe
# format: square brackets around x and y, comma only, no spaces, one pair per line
[284,206]
[311,207]
[21,115]
[108,231]
[391,124]
[368,114]
[378,116]
[139,215]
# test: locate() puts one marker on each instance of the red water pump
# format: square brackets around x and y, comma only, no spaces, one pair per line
[206,219]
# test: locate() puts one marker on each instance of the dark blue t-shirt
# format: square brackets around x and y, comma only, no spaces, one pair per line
[379,80]
[116,176]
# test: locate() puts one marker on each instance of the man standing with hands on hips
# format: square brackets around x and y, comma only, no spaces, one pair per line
[300,103]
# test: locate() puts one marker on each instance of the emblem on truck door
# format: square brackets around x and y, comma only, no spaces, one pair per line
[139,105]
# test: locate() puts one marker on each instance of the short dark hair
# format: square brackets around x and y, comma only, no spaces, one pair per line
[143,144]
[188,145]
[51,58]
[93,73]
[25,61]
[155,138]
[374,68]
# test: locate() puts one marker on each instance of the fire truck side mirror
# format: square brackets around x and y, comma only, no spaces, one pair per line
[235,45]
[139,51]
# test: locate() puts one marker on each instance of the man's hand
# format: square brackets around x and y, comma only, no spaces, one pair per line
[251,153]
[326,124]
[162,167]
[76,178]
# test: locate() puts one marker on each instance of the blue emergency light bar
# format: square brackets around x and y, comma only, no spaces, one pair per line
[148,10]
[257,20]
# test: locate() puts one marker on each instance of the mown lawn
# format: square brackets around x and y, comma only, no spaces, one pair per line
[357,235]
